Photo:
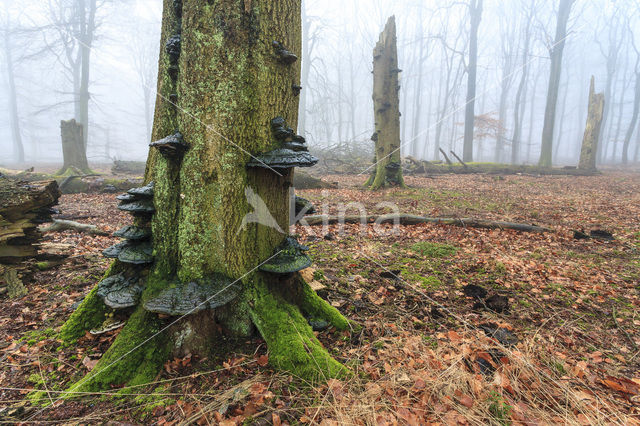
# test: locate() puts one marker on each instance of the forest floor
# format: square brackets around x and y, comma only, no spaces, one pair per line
[558,343]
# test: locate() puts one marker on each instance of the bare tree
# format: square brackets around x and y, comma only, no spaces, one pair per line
[636,102]
[12,98]
[72,31]
[555,51]
[522,85]
[475,15]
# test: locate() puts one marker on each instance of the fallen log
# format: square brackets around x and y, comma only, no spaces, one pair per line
[62,225]
[409,219]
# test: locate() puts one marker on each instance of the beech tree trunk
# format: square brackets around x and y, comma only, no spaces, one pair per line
[73,149]
[589,151]
[203,199]
[14,118]
[386,106]
[556,50]
[475,14]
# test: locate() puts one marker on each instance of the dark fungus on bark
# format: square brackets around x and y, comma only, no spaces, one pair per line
[280,130]
[283,158]
[145,191]
[296,89]
[172,47]
[120,292]
[289,258]
[133,233]
[173,146]
[192,297]
[284,56]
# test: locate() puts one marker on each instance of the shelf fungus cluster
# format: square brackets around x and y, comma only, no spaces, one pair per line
[123,290]
[293,151]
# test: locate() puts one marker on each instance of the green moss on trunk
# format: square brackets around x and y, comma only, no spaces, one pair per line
[135,357]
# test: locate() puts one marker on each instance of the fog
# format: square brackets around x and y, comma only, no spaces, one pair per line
[40,43]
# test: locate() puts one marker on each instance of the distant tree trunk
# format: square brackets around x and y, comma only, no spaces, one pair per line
[417,118]
[386,109]
[546,150]
[589,149]
[560,128]
[520,94]
[14,118]
[306,67]
[87,28]
[634,120]
[218,215]
[73,152]
[532,112]
[475,14]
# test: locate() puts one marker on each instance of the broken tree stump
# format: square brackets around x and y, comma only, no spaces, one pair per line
[592,129]
[386,105]
[73,150]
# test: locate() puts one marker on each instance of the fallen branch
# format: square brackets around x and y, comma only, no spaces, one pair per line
[446,158]
[62,225]
[459,159]
[408,219]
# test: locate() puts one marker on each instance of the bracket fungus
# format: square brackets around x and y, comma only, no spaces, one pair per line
[133,233]
[296,89]
[289,258]
[136,253]
[126,197]
[142,191]
[119,292]
[138,207]
[283,158]
[192,297]
[280,130]
[173,146]
[172,47]
[284,55]
[130,252]
[114,251]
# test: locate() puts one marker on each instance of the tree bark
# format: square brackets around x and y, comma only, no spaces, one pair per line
[201,199]
[475,14]
[634,120]
[388,170]
[589,151]
[73,149]
[556,50]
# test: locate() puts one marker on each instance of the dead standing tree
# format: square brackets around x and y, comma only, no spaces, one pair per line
[386,105]
[73,148]
[589,150]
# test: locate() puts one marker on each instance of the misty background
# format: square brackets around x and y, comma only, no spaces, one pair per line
[40,82]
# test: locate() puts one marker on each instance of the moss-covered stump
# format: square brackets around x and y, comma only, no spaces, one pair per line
[217,264]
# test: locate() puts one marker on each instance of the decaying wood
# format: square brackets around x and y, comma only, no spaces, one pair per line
[23,205]
[408,219]
[386,110]
[62,225]
[589,149]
